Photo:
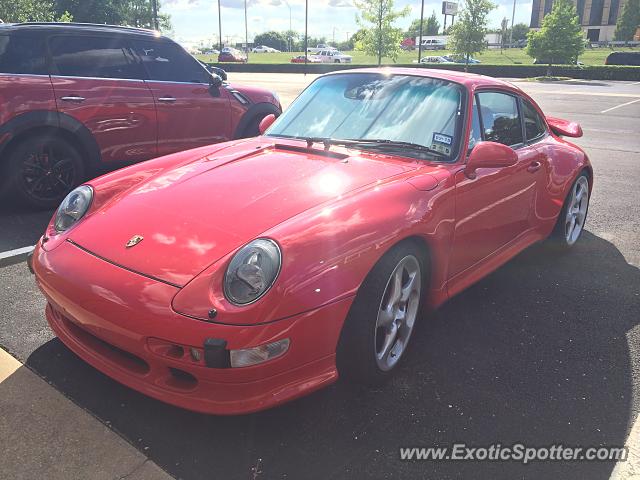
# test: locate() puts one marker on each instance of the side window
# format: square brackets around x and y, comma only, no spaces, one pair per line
[476,133]
[102,57]
[533,124]
[167,62]
[20,54]
[500,118]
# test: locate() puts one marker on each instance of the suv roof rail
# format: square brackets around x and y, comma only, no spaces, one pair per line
[79,24]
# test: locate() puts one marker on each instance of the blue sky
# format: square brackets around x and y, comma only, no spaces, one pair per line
[196,21]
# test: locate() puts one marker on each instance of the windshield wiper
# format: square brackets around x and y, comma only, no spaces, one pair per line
[372,143]
[398,145]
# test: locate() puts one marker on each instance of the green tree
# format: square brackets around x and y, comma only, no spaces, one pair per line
[14,11]
[431,26]
[560,39]
[91,11]
[628,21]
[272,39]
[380,37]
[520,31]
[468,33]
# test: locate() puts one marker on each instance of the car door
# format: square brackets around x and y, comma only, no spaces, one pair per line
[190,112]
[494,208]
[98,81]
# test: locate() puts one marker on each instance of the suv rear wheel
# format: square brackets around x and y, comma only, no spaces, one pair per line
[42,169]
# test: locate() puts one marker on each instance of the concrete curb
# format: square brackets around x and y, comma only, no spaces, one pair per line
[43,434]
[11,257]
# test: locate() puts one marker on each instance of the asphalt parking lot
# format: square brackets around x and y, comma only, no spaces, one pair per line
[545,350]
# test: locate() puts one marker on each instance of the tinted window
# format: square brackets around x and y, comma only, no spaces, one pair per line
[500,118]
[533,123]
[20,54]
[170,63]
[81,56]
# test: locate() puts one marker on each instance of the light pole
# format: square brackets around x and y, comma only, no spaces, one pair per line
[246,31]
[289,33]
[513,16]
[154,7]
[420,36]
[219,26]
[306,29]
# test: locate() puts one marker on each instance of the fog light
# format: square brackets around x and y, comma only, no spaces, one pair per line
[253,356]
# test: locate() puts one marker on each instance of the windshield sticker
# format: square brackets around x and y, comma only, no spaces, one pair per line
[442,143]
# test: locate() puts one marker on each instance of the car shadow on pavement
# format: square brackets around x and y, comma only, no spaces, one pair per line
[536,353]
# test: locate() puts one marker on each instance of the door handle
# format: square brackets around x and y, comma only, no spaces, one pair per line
[73,98]
[167,99]
[534,167]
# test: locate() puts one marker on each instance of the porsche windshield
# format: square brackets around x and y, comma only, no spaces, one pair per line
[391,109]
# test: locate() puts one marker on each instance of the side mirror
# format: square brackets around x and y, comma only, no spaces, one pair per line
[215,81]
[489,155]
[220,72]
[266,123]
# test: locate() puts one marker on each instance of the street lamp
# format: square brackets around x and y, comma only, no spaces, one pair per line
[420,37]
[513,16]
[289,33]
[219,26]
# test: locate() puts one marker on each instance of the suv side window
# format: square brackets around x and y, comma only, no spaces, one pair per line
[534,127]
[167,62]
[102,57]
[22,55]
[500,118]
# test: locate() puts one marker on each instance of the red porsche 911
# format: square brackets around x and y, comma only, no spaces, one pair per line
[238,276]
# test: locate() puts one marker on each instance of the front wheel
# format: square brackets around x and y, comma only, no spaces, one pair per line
[573,215]
[381,320]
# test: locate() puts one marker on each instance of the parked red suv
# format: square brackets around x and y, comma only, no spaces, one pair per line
[78,98]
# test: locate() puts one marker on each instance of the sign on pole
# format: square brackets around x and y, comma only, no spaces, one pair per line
[449,8]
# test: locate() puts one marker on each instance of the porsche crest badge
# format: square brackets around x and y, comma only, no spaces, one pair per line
[133,241]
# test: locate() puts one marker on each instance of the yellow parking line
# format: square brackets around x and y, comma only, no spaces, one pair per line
[8,365]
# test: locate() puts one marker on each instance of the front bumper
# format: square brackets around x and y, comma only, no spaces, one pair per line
[122,323]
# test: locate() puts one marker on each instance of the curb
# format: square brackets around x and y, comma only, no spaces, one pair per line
[11,257]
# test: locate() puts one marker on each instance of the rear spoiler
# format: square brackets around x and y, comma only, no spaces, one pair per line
[564,127]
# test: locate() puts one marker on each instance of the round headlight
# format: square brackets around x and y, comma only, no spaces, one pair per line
[252,271]
[73,207]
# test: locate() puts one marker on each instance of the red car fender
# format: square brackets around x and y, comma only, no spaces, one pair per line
[328,251]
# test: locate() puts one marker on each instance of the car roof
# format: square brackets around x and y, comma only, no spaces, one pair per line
[469,80]
[68,27]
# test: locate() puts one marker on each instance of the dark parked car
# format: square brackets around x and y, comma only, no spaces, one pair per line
[623,58]
[77,99]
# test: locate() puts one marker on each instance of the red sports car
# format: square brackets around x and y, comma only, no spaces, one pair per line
[238,276]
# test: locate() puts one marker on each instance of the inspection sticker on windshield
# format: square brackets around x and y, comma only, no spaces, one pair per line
[442,143]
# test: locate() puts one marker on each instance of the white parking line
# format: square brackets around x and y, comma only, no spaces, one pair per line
[622,105]
[14,256]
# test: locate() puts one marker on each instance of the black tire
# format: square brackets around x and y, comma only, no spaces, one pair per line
[42,169]
[356,355]
[336,61]
[253,127]
[558,240]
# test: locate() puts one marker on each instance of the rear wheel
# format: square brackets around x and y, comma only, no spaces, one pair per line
[42,169]
[573,215]
[381,320]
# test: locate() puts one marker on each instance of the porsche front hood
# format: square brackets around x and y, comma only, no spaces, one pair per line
[192,215]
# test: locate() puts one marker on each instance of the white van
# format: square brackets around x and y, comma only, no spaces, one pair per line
[433,44]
